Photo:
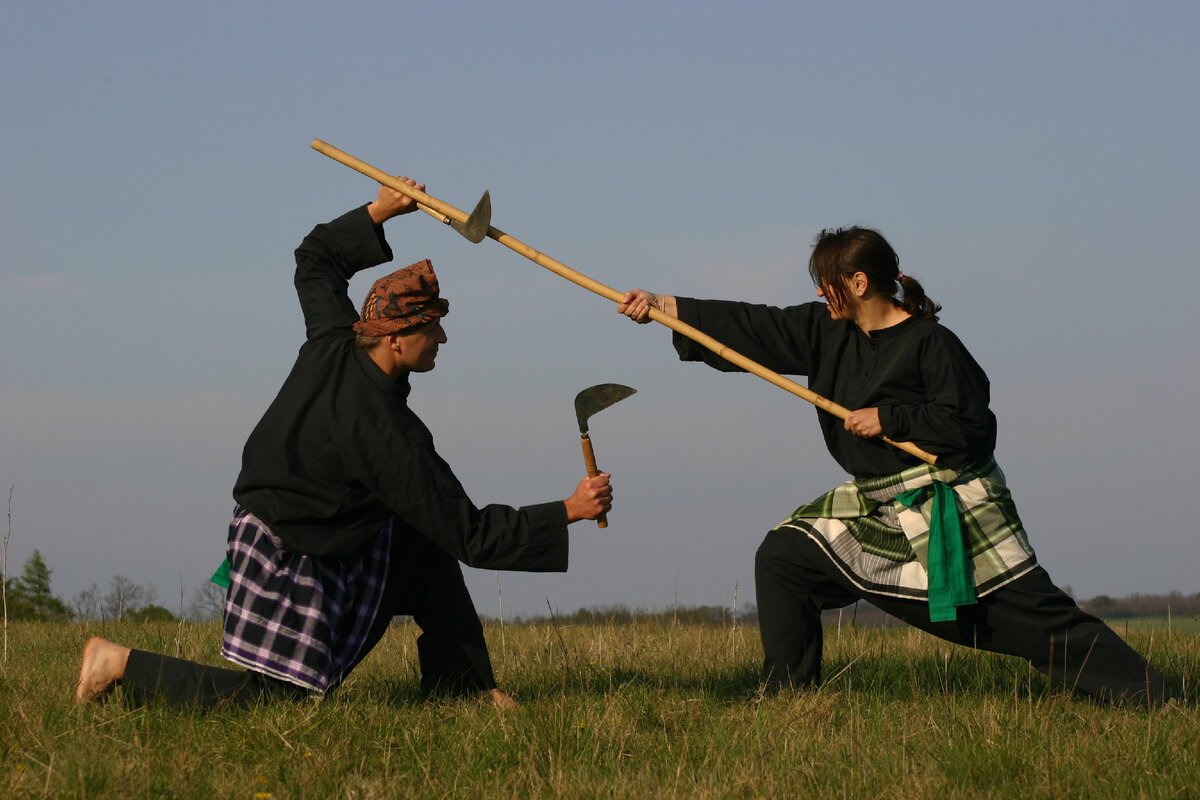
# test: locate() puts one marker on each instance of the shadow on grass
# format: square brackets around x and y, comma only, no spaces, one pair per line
[881,678]
[732,685]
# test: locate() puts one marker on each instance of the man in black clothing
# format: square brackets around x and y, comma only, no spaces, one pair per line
[346,515]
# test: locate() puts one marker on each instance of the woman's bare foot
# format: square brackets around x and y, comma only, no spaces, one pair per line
[103,665]
[499,699]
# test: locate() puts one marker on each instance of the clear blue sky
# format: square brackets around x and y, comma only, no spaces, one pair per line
[1035,165]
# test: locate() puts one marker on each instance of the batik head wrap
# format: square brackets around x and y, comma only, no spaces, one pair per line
[403,300]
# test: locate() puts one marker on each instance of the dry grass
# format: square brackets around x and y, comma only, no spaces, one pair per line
[628,710]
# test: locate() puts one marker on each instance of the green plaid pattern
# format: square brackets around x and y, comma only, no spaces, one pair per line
[883,547]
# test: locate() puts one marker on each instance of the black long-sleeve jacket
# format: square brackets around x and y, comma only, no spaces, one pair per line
[339,451]
[927,387]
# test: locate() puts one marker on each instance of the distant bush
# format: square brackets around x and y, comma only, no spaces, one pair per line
[29,596]
[151,613]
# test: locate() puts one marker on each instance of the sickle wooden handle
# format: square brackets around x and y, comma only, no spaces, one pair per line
[589,461]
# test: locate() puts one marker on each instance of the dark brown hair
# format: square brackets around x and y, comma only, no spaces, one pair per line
[838,253]
[364,342]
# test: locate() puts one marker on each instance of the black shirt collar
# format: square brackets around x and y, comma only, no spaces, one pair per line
[400,387]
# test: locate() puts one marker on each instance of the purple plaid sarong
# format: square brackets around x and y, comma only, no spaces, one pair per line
[302,619]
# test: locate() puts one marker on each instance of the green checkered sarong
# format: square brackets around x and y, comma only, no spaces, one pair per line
[883,546]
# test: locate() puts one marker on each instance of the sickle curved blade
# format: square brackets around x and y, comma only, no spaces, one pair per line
[597,398]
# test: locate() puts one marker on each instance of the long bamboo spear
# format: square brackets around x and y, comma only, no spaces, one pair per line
[447,211]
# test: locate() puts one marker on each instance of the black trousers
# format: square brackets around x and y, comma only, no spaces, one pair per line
[1031,618]
[423,581]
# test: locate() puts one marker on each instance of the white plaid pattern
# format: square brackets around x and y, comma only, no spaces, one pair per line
[299,618]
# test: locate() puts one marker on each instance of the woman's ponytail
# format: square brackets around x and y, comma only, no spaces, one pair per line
[914,299]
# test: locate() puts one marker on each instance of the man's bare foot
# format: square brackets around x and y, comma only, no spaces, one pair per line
[103,665]
[499,699]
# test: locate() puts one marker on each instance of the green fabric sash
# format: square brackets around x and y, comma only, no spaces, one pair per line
[221,576]
[949,568]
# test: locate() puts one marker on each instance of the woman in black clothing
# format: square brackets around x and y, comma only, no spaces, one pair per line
[939,546]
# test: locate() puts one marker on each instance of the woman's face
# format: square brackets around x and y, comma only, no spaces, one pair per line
[836,309]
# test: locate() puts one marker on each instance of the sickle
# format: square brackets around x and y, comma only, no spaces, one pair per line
[591,401]
[446,211]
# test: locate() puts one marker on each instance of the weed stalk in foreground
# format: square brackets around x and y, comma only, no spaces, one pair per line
[4,572]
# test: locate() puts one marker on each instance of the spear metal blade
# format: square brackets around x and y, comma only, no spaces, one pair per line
[475,229]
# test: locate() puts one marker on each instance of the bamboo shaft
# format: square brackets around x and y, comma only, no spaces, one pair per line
[579,279]
[435,208]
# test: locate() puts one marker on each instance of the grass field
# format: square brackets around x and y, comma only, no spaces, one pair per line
[1175,624]
[638,709]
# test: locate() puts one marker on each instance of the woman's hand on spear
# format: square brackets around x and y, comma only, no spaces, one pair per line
[637,304]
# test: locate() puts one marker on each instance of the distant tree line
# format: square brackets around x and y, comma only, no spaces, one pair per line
[125,600]
[861,614]
[1144,605]
[29,596]
[721,616]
